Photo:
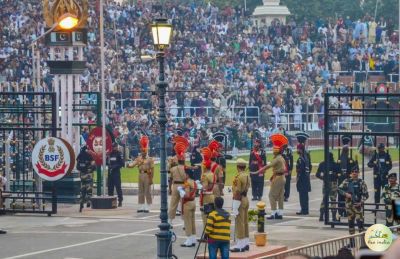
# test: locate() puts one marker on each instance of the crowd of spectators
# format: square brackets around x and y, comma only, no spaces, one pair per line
[225,71]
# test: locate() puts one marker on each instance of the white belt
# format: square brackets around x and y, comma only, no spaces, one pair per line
[207,192]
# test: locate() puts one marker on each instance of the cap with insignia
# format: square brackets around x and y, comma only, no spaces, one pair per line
[381,145]
[241,161]
[346,139]
[302,137]
[392,175]
[355,168]
[219,136]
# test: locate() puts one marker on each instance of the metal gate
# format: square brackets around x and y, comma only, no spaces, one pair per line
[380,114]
[25,118]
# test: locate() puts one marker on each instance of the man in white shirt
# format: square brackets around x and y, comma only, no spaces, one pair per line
[276,110]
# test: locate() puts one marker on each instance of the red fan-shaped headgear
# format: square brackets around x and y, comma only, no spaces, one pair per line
[144,143]
[215,148]
[279,141]
[207,153]
[181,145]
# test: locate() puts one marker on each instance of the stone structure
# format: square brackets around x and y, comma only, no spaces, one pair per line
[270,11]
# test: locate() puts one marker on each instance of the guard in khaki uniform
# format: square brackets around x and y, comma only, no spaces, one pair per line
[240,207]
[189,210]
[208,180]
[216,168]
[177,175]
[146,173]
[278,165]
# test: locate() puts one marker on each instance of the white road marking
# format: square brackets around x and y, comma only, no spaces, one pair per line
[84,243]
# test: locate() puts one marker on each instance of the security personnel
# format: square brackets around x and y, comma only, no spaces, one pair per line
[240,206]
[303,168]
[258,159]
[288,156]
[145,164]
[208,180]
[115,163]
[356,193]
[218,231]
[86,166]
[391,192]
[330,184]
[216,168]
[196,159]
[189,210]
[346,163]
[381,162]
[278,165]
[177,175]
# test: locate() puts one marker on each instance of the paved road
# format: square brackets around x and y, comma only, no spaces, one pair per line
[122,233]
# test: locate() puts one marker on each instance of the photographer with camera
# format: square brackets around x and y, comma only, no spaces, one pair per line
[355,192]
[391,192]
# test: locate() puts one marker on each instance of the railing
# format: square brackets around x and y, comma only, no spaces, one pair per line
[328,247]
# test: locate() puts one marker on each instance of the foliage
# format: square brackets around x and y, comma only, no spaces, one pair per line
[252,215]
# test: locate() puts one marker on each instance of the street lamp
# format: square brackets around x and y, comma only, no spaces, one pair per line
[162,32]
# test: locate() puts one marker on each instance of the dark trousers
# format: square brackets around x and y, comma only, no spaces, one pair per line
[114,180]
[287,186]
[341,206]
[304,202]
[257,186]
[378,184]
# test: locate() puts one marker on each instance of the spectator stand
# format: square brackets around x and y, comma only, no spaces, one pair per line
[380,114]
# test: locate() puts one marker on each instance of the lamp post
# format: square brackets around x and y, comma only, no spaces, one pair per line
[162,32]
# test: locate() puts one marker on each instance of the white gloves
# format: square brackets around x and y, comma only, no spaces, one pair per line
[199,185]
[235,207]
[181,191]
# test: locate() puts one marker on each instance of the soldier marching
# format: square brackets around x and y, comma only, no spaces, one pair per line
[86,167]
[258,159]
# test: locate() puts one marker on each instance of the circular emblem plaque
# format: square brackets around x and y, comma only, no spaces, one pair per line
[52,158]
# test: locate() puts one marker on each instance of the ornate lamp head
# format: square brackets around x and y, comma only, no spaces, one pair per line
[67,14]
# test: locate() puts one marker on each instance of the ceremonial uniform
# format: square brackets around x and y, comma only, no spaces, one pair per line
[177,175]
[240,187]
[86,166]
[303,168]
[196,159]
[216,167]
[330,186]
[288,156]
[208,180]
[391,192]
[188,212]
[258,159]
[357,188]
[145,166]
[381,163]
[115,163]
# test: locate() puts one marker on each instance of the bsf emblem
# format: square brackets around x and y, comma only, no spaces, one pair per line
[52,158]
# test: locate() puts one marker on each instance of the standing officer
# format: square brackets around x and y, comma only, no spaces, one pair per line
[115,163]
[278,165]
[145,164]
[86,166]
[216,168]
[258,159]
[346,163]
[240,206]
[381,162]
[220,158]
[196,159]
[208,180]
[178,175]
[303,184]
[189,209]
[330,185]
[356,193]
[391,192]
[288,156]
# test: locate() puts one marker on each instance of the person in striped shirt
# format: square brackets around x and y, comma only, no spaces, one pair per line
[218,230]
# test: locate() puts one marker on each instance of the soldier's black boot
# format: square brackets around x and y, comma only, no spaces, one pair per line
[120,204]
[80,207]
[321,215]
[88,205]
